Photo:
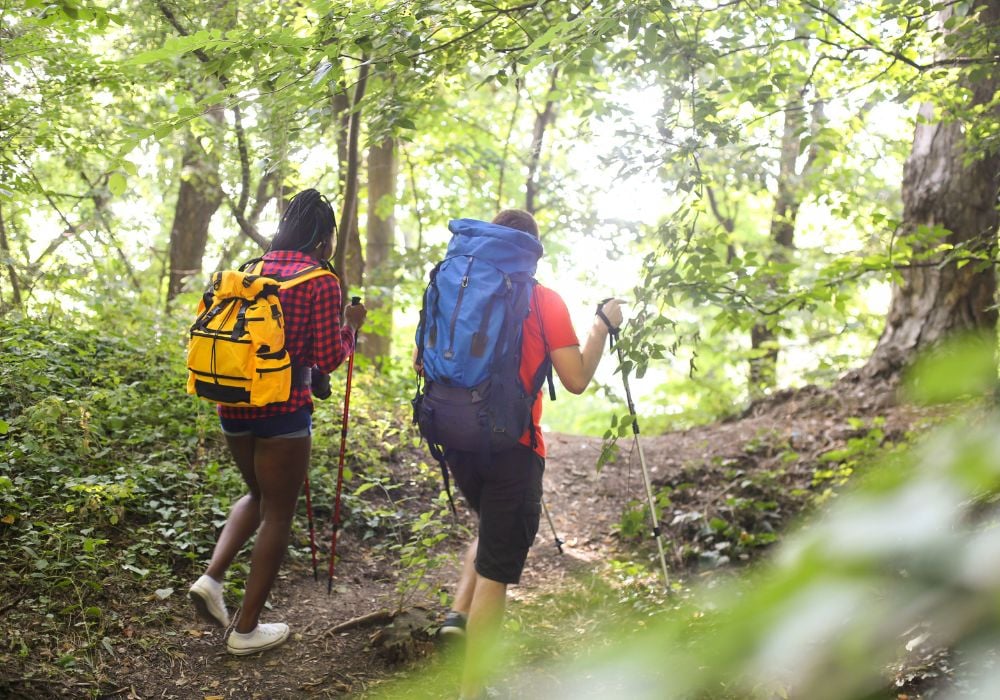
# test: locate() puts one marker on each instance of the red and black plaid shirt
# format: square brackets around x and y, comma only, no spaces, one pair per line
[313,334]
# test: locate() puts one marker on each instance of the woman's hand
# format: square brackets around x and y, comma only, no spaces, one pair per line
[355,314]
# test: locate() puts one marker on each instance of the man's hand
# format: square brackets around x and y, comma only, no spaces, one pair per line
[612,313]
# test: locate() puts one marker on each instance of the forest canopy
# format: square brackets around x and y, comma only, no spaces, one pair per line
[742,162]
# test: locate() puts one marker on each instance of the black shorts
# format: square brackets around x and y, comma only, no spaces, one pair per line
[506,493]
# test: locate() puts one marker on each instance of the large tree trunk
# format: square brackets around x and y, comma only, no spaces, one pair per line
[379,253]
[198,199]
[938,298]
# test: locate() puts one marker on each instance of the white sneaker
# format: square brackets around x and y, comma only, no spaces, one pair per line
[265,636]
[206,594]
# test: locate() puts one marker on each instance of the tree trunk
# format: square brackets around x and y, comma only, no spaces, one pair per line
[938,299]
[198,199]
[763,338]
[347,258]
[543,120]
[380,263]
[15,284]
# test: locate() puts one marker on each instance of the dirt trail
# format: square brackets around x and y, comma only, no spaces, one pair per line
[768,454]
[189,659]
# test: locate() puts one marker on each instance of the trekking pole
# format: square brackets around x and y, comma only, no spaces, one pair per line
[340,466]
[555,535]
[312,530]
[612,338]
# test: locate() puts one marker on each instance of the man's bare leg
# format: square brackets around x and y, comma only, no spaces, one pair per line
[482,633]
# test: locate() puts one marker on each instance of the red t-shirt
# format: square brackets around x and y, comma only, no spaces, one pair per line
[548,327]
[313,334]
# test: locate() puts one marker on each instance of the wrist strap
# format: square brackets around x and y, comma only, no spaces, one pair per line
[612,330]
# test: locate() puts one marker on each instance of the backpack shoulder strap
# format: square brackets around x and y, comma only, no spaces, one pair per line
[253,262]
[544,373]
[255,266]
[306,274]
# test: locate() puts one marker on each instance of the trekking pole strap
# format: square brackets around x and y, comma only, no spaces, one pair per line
[613,330]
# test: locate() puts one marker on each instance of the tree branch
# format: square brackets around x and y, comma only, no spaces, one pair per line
[239,209]
[349,208]
[416,197]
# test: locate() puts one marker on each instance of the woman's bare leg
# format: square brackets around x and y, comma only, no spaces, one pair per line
[244,516]
[280,466]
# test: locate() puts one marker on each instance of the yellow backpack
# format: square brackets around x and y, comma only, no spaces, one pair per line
[236,354]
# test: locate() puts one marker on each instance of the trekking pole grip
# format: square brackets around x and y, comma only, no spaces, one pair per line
[357,331]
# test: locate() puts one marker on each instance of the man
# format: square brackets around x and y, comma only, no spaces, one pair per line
[506,490]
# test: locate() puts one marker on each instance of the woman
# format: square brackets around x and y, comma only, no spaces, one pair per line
[271,444]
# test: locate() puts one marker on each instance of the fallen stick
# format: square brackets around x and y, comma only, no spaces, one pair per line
[372,618]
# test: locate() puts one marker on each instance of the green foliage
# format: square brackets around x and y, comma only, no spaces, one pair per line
[837,466]
[421,553]
[108,475]
[113,478]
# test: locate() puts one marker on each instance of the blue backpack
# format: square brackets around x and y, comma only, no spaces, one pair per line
[469,342]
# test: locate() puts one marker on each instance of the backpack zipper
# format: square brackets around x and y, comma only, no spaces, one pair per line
[450,352]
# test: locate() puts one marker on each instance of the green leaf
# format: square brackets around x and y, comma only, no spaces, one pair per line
[146,57]
[117,184]
[142,572]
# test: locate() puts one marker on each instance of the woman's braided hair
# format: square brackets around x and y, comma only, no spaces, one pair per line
[307,223]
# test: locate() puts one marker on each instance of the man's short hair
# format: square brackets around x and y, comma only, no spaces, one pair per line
[517,219]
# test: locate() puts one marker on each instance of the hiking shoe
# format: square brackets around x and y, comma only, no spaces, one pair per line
[265,636]
[453,625]
[206,594]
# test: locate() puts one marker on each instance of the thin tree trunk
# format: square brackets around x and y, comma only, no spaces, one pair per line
[764,360]
[787,202]
[379,253]
[542,121]
[347,259]
[15,284]
[934,302]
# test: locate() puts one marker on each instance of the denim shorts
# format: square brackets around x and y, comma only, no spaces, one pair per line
[284,425]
